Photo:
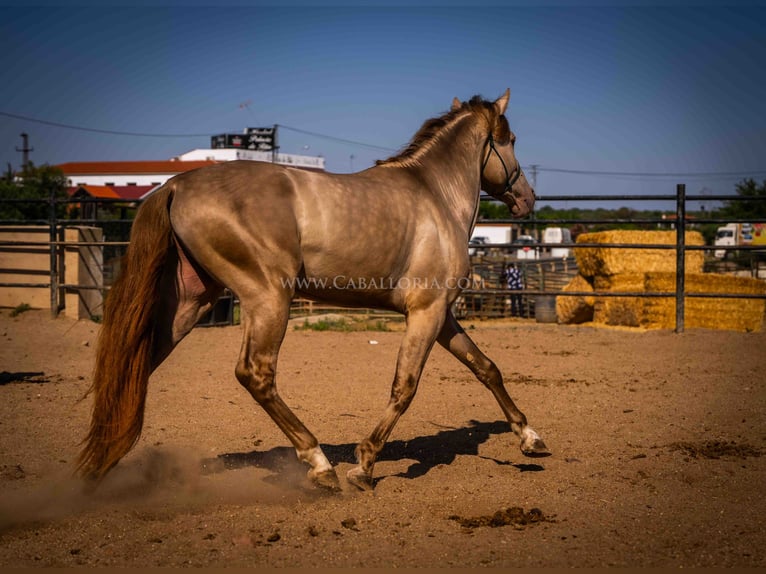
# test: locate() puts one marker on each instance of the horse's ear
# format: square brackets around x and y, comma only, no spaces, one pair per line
[456,103]
[501,104]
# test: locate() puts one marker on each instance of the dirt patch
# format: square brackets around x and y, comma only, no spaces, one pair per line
[513,516]
[716,449]
[657,442]
[12,472]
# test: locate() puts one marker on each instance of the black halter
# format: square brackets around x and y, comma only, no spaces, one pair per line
[508,181]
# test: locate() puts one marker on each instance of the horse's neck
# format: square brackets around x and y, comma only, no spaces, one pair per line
[451,168]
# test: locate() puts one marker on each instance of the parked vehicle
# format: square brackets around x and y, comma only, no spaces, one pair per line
[736,234]
[493,232]
[557,235]
[527,248]
[477,245]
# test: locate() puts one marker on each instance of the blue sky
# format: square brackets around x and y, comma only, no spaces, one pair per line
[670,88]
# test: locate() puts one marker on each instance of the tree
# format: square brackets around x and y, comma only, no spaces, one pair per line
[493,210]
[747,208]
[34,184]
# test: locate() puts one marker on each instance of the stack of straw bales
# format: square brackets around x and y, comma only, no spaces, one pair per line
[705,312]
[576,308]
[626,311]
[601,261]
[639,270]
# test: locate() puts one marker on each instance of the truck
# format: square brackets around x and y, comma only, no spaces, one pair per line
[493,232]
[738,234]
[557,235]
[485,234]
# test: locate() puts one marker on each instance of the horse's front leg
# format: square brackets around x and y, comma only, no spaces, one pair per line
[453,338]
[422,327]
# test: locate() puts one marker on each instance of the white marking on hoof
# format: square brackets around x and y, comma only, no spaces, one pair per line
[316,458]
[321,472]
[532,444]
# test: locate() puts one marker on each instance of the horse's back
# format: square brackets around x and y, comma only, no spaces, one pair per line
[251,221]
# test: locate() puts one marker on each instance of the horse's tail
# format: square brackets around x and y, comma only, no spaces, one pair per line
[124,355]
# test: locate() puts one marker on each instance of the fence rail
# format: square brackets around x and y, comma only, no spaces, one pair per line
[484,301]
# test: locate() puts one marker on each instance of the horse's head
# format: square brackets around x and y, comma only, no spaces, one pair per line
[501,174]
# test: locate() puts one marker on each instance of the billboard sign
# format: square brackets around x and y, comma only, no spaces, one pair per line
[256,139]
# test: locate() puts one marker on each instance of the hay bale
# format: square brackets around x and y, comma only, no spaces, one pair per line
[705,312]
[594,261]
[626,311]
[699,312]
[572,309]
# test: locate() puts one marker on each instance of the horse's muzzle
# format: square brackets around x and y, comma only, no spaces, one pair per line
[520,200]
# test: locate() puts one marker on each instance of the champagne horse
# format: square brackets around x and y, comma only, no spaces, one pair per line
[393,237]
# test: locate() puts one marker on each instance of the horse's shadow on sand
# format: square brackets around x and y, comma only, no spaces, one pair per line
[428,452]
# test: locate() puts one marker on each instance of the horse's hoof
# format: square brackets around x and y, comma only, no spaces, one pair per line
[537,449]
[359,478]
[532,445]
[327,479]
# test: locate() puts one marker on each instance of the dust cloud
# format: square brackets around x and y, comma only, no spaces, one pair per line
[177,479]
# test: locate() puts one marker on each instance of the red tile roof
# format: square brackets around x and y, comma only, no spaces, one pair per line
[132,167]
[94,191]
[128,192]
[133,192]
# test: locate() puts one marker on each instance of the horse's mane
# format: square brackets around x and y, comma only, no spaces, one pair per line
[430,130]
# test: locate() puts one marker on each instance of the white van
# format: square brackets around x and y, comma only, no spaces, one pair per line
[557,235]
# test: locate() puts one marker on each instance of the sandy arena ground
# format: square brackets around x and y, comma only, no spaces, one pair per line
[657,438]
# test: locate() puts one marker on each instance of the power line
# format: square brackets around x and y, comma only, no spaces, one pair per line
[651,174]
[333,138]
[535,168]
[156,135]
[100,131]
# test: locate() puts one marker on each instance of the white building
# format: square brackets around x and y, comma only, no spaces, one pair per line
[229,154]
[126,173]
[135,179]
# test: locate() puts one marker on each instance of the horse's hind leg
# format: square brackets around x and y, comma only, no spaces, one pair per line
[457,342]
[264,320]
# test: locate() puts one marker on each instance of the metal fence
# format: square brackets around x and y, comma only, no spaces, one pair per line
[543,278]
[538,287]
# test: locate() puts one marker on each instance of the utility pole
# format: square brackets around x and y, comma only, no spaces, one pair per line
[275,145]
[533,169]
[25,151]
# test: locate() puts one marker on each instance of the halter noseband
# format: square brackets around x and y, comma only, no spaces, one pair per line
[508,182]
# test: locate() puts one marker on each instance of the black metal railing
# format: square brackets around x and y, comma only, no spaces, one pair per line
[680,223]
[55,245]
